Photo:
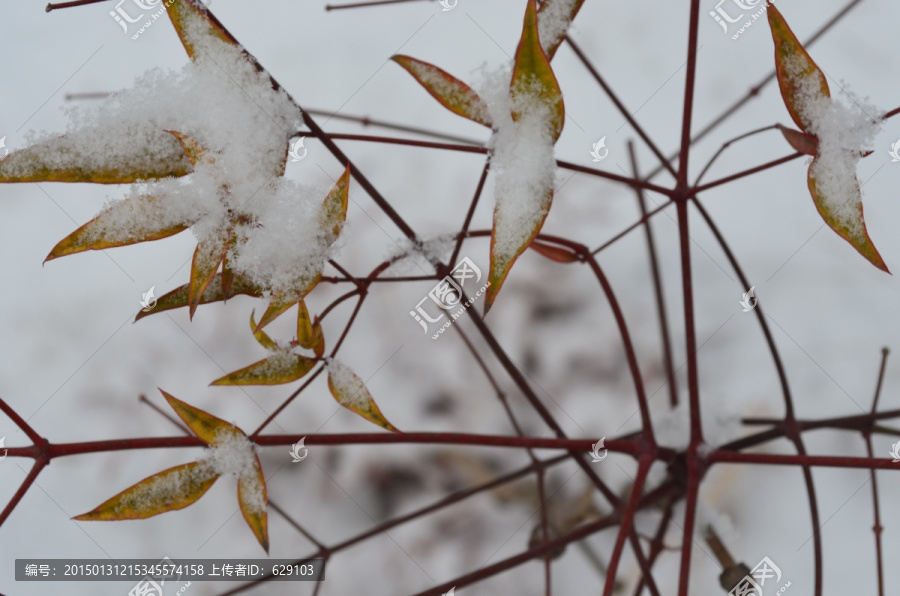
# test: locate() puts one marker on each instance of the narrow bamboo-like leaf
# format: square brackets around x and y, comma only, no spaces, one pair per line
[532,77]
[279,368]
[197,28]
[252,497]
[798,75]
[349,391]
[214,292]
[151,222]
[554,253]
[278,304]
[304,326]
[844,215]
[261,336]
[318,339]
[554,18]
[452,93]
[64,160]
[206,426]
[802,142]
[192,149]
[207,257]
[171,489]
[333,212]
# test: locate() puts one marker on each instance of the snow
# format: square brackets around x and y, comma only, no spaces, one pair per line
[522,161]
[233,454]
[554,21]
[279,246]
[844,133]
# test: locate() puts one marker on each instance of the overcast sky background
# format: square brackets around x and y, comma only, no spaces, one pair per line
[74,364]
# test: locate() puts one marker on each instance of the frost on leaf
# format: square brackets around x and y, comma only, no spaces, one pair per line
[283,366]
[452,93]
[554,18]
[230,453]
[836,134]
[528,114]
[349,391]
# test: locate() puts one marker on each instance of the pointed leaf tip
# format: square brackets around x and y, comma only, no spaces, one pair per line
[349,391]
[450,92]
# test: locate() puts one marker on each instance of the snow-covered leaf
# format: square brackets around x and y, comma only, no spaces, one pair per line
[171,489]
[252,498]
[152,220]
[214,292]
[532,78]
[279,368]
[841,208]
[192,149]
[452,93]
[522,154]
[203,424]
[197,29]
[71,158]
[349,391]
[797,74]
[554,18]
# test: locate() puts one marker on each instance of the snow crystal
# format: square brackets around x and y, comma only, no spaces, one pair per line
[407,257]
[522,161]
[220,101]
[844,133]
[352,391]
[553,21]
[233,454]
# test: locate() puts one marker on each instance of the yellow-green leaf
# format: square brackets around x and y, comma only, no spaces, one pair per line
[304,326]
[533,78]
[554,18]
[278,304]
[349,391]
[252,498]
[261,336]
[171,489]
[452,93]
[798,75]
[197,28]
[333,212]
[279,368]
[64,160]
[206,426]
[192,149]
[214,292]
[149,214]
[844,213]
[207,257]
